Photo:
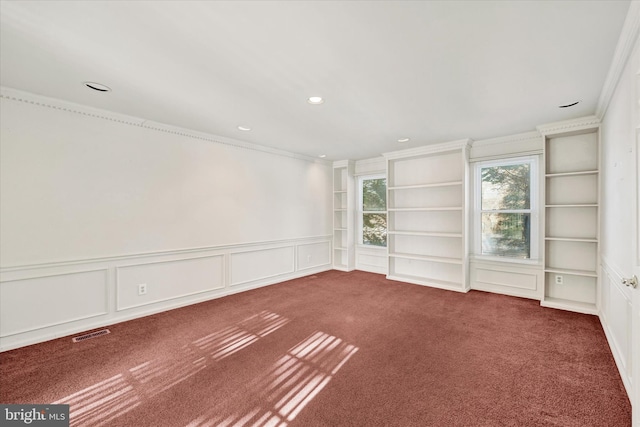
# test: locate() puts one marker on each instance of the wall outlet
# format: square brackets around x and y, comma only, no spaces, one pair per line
[142,289]
[308,258]
[559,280]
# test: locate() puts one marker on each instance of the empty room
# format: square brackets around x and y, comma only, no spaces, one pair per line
[319,213]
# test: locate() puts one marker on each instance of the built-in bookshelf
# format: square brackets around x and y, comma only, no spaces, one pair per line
[427,215]
[343,216]
[572,220]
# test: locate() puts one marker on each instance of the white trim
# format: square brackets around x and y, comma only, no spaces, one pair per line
[124,266]
[237,246]
[75,319]
[579,124]
[57,104]
[527,136]
[624,48]
[46,330]
[615,279]
[429,149]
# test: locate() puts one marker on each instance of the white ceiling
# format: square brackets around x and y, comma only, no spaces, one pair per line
[430,71]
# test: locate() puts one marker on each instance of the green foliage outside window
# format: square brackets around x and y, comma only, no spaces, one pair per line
[374,224]
[506,188]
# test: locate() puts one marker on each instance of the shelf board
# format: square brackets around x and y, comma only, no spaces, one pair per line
[444,260]
[432,185]
[585,273]
[581,205]
[340,229]
[444,208]
[563,304]
[571,239]
[339,248]
[427,281]
[578,173]
[339,191]
[424,233]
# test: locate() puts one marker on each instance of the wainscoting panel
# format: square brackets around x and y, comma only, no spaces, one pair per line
[167,280]
[616,318]
[38,302]
[372,259]
[46,301]
[312,255]
[508,279]
[261,264]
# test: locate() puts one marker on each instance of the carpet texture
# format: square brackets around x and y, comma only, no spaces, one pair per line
[333,349]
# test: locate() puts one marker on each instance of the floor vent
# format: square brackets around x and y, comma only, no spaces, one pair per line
[91,335]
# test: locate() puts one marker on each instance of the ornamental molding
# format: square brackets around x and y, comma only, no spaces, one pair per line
[16,95]
[578,124]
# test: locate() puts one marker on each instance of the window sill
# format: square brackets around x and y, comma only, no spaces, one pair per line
[373,247]
[505,260]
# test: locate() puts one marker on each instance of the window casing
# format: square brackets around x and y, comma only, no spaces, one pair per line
[506,213]
[372,210]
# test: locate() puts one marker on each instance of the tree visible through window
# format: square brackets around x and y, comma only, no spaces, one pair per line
[505,217]
[374,211]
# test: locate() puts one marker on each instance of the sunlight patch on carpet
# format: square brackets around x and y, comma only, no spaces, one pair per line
[101,403]
[293,381]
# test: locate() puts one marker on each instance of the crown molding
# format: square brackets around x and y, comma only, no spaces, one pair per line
[582,123]
[71,107]
[370,160]
[343,163]
[429,149]
[628,38]
[527,136]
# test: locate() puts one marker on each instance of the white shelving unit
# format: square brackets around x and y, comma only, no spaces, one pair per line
[427,215]
[343,215]
[572,219]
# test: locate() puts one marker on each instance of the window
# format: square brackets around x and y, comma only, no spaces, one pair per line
[372,210]
[506,214]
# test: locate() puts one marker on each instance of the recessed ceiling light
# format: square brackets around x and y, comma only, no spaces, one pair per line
[315,100]
[322,156]
[568,105]
[403,140]
[244,128]
[97,86]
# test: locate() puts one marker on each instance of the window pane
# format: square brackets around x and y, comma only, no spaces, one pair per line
[374,194]
[374,229]
[506,234]
[506,187]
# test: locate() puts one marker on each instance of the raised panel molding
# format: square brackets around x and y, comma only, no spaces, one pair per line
[169,279]
[617,323]
[312,255]
[38,302]
[509,279]
[249,266]
[46,301]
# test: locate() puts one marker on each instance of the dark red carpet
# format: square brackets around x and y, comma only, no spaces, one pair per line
[334,349]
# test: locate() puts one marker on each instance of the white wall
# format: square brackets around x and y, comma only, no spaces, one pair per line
[90,206]
[618,186]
